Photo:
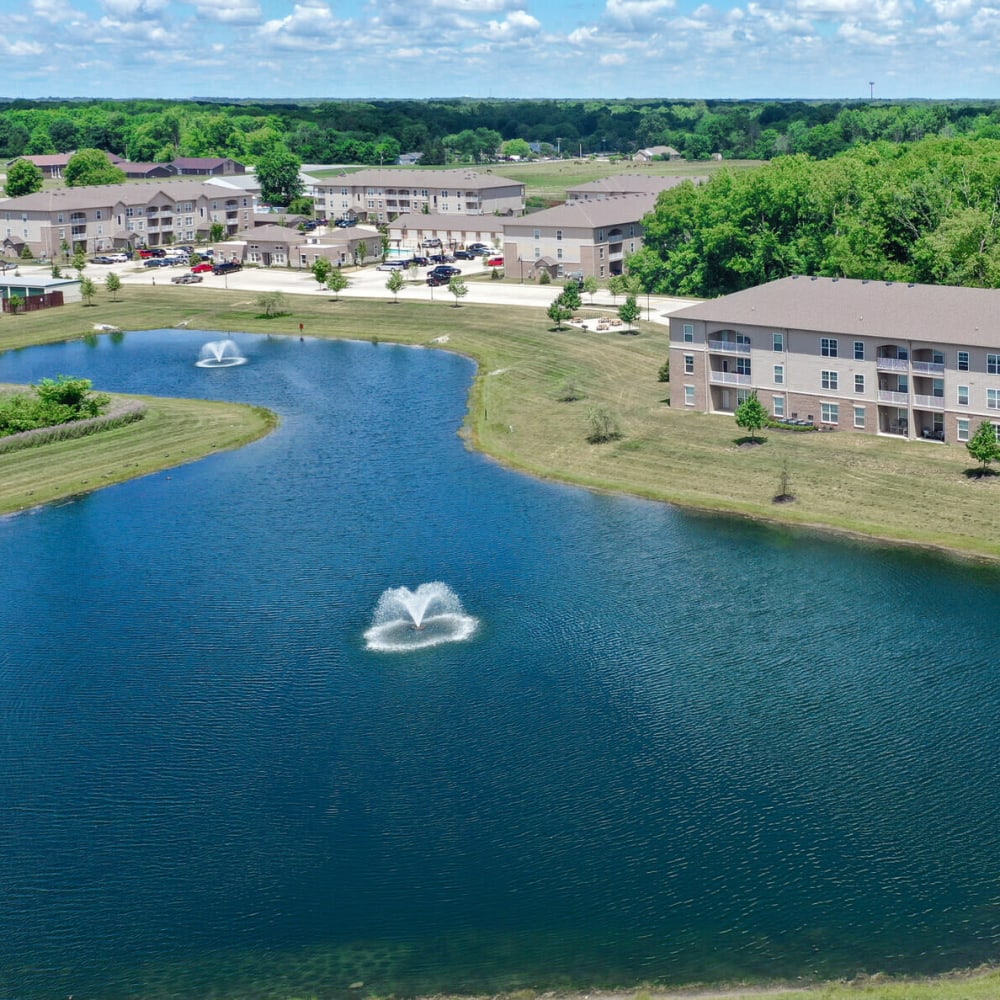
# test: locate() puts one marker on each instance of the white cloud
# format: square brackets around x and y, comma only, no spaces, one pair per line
[131,9]
[518,24]
[230,12]
[614,59]
[53,11]
[20,48]
[637,13]
[309,22]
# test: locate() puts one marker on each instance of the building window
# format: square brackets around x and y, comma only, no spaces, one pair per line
[779,374]
[559,251]
[601,272]
[993,364]
[600,235]
[963,361]
[688,364]
[963,395]
[689,395]
[558,234]
[993,399]
[600,253]
[963,430]
[778,403]
[829,380]
[829,413]
[688,333]
[743,367]
[777,341]
[538,234]
[859,416]
[538,252]
[828,347]
[859,350]
[742,395]
[859,383]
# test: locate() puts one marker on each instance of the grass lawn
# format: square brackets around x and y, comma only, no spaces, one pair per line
[908,492]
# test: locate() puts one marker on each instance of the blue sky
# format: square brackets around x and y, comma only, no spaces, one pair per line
[500,48]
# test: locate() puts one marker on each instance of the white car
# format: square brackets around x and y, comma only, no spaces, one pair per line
[118,258]
[392,265]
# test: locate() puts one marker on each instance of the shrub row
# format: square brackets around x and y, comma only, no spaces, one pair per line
[128,412]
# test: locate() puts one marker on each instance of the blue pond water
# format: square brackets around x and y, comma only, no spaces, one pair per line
[675,747]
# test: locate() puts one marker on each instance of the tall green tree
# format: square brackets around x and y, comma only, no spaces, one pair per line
[89,167]
[321,270]
[337,282]
[558,312]
[278,174]
[751,415]
[458,288]
[113,284]
[395,283]
[23,177]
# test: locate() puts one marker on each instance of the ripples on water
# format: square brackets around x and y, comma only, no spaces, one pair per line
[676,748]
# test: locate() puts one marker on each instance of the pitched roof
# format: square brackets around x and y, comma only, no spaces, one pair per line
[590,213]
[419,178]
[201,162]
[102,195]
[272,234]
[852,307]
[631,184]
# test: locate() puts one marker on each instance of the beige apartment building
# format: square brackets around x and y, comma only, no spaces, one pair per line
[417,231]
[624,184]
[120,216]
[580,238]
[874,357]
[379,195]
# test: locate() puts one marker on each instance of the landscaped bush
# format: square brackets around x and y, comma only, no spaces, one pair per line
[51,402]
[127,413]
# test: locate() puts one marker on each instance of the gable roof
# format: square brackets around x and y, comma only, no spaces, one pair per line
[853,307]
[632,184]
[104,195]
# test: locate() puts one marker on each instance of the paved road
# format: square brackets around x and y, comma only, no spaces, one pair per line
[368,282]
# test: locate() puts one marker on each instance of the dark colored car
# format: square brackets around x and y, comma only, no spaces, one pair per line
[227,267]
[101,260]
[441,258]
[465,255]
[446,271]
[437,279]
[344,223]
[186,279]
[155,262]
[421,261]
[479,248]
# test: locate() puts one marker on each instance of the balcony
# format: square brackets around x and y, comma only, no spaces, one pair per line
[899,398]
[892,364]
[927,368]
[728,347]
[728,378]
[928,402]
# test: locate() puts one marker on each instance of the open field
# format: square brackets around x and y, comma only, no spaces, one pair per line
[906,492]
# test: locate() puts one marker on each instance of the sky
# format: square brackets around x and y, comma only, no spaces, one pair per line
[743,49]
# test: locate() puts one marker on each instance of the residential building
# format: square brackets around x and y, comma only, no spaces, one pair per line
[283,246]
[120,216]
[380,194]
[623,184]
[411,230]
[657,152]
[216,166]
[580,238]
[875,357]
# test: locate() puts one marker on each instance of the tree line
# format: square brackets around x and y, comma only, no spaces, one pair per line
[924,212]
[465,130]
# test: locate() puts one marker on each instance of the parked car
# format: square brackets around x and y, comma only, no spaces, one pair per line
[494,261]
[154,262]
[119,258]
[479,248]
[437,279]
[186,279]
[421,261]
[393,265]
[431,241]
[201,268]
[446,271]
[168,261]
[465,255]
[442,258]
[227,267]
[101,260]
[345,223]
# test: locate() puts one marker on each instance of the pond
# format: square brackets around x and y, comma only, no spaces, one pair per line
[671,748]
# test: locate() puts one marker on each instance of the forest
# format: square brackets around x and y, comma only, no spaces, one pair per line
[922,212]
[462,130]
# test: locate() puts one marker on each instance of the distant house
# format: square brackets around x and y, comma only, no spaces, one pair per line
[207,166]
[53,165]
[409,159]
[623,184]
[138,171]
[657,153]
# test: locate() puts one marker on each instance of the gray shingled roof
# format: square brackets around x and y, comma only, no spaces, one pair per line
[589,213]
[896,310]
[632,184]
[421,178]
[102,195]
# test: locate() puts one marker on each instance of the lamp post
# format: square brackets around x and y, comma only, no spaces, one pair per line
[520,264]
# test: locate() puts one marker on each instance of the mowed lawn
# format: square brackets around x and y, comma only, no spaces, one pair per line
[909,492]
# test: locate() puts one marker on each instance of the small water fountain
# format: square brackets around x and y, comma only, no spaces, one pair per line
[407,619]
[220,354]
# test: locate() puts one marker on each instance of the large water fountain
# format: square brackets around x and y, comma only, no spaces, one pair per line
[407,619]
[220,354]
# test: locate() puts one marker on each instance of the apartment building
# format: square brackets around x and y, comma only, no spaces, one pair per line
[379,195]
[120,216]
[624,184]
[586,237]
[873,357]
[410,231]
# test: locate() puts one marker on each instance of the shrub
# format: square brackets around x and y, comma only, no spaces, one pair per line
[602,425]
[545,278]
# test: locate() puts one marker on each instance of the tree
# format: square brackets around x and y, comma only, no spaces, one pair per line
[337,282]
[73,394]
[216,232]
[602,425]
[616,285]
[558,312]
[113,284]
[321,270]
[16,301]
[88,290]
[79,263]
[571,296]
[396,282]
[23,177]
[273,303]
[278,173]
[590,286]
[89,167]
[751,415]
[984,446]
[458,288]
[628,312]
